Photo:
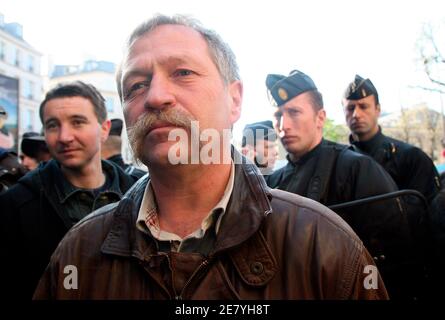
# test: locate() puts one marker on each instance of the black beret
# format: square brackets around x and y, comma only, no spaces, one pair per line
[262,130]
[360,88]
[283,89]
[116,127]
[32,143]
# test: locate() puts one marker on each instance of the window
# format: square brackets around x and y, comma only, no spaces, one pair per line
[2,50]
[28,89]
[28,120]
[109,103]
[17,57]
[30,63]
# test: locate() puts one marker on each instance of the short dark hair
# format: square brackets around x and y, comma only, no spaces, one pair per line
[77,89]
[317,100]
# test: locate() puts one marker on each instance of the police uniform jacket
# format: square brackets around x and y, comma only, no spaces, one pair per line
[409,166]
[333,174]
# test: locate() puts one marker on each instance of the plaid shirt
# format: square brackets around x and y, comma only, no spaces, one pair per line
[148,220]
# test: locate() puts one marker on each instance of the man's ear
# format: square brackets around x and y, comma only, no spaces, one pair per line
[378,109]
[105,130]
[321,117]
[236,97]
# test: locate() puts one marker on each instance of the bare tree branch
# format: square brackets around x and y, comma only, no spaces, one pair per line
[427,89]
[430,60]
[440,83]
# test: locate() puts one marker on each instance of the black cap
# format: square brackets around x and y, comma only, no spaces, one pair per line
[32,143]
[262,130]
[283,89]
[116,127]
[360,88]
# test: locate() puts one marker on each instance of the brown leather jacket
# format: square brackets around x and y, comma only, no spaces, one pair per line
[271,245]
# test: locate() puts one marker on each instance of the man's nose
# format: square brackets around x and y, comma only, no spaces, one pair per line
[283,125]
[160,93]
[356,113]
[65,134]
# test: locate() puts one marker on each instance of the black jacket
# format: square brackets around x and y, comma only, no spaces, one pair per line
[134,172]
[332,174]
[35,215]
[412,169]
[409,166]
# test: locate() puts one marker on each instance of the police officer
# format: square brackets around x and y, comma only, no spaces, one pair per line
[259,145]
[409,166]
[111,150]
[332,174]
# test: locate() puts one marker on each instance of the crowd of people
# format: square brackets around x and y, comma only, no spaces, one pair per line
[357,221]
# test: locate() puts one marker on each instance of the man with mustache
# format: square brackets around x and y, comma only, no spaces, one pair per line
[205,230]
[38,211]
[332,174]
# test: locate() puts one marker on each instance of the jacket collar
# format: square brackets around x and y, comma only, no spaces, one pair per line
[46,179]
[247,208]
[65,189]
[370,146]
[311,154]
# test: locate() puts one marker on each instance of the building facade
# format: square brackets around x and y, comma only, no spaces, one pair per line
[19,60]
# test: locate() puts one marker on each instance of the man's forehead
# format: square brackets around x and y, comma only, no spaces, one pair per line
[167,34]
[367,100]
[76,105]
[141,52]
[300,101]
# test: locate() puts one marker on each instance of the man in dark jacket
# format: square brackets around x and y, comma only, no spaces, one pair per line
[11,170]
[332,174]
[34,150]
[201,229]
[259,145]
[409,166]
[112,148]
[38,211]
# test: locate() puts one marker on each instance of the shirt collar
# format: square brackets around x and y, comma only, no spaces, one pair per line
[65,189]
[303,159]
[370,146]
[147,220]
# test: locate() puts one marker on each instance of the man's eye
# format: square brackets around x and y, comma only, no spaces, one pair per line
[77,122]
[49,126]
[135,89]
[183,72]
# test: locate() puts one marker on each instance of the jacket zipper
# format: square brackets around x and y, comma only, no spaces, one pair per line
[201,266]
